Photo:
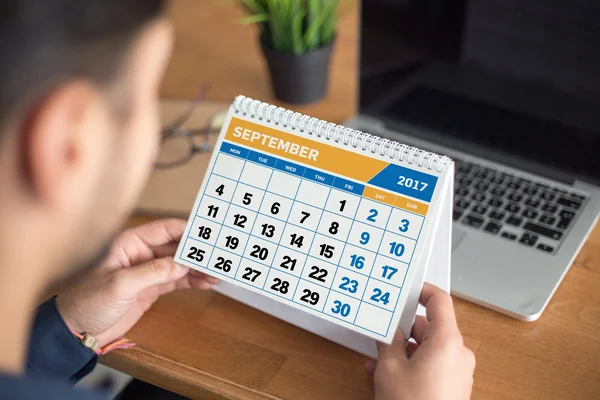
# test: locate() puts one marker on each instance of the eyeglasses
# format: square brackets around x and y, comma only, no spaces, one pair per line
[180,145]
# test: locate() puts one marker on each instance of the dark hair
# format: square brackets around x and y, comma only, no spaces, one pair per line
[44,42]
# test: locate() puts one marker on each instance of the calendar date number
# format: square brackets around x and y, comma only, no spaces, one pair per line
[317,273]
[280,286]
[251,274]
[310,297]
[223,264]
[196,254]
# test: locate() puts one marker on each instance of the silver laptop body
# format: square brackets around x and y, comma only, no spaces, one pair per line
[520,217]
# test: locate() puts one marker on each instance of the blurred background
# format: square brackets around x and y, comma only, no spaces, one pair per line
[199,24]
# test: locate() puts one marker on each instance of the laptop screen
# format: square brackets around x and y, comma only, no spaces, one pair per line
[517,77]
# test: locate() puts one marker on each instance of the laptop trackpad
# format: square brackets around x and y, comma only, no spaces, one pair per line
[457,237]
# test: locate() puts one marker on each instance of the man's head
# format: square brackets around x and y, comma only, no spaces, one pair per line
[78,119]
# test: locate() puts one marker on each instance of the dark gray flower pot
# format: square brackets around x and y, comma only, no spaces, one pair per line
[299,79]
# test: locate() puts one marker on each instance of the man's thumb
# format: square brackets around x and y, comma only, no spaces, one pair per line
[151,273]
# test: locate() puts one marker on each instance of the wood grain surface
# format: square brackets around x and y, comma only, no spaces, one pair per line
[206,346]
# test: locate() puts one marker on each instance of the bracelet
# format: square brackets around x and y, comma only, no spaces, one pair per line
[93,344]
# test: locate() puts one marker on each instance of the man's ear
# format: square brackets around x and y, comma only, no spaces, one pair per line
[56,139]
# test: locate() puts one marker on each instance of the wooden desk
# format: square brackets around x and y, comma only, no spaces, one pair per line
[206,346]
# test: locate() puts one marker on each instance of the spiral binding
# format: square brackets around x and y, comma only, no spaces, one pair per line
[338,133]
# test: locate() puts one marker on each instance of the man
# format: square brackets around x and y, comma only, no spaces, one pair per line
[78,131]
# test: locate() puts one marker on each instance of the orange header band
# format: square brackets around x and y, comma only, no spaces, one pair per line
[379,195]
[411,205]
[323,156]
[397,201]
[306,151]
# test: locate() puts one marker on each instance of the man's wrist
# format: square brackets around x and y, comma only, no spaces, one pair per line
[53,350]
[68,319]
[89,339]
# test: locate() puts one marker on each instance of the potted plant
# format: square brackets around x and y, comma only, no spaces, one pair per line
[297,37]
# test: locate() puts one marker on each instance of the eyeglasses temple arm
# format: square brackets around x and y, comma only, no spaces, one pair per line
[185,116]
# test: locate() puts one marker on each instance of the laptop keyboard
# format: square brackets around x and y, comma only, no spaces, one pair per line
[513,208]
[510,207]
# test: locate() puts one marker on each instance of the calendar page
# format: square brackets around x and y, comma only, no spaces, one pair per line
[322,227]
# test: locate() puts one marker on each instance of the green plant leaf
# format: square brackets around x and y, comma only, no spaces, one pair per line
[328,29]
[274,39]
[313,7]
[292,26]
[252,6]
[253,19]
[297,43]
[326,12]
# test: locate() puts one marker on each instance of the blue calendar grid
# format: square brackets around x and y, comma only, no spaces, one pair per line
[322,179]
[301,202]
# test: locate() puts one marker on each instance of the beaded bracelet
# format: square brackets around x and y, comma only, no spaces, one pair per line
[93,344]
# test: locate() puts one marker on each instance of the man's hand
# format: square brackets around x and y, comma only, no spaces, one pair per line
[437,366]
[109,300]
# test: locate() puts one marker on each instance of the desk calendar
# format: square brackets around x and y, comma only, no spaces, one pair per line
[324,219]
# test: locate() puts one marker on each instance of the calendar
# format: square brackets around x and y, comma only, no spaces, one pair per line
[321,218]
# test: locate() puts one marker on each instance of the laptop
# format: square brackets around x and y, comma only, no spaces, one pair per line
[509,89]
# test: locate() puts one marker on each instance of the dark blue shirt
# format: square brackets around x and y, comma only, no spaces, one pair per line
[56,360]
